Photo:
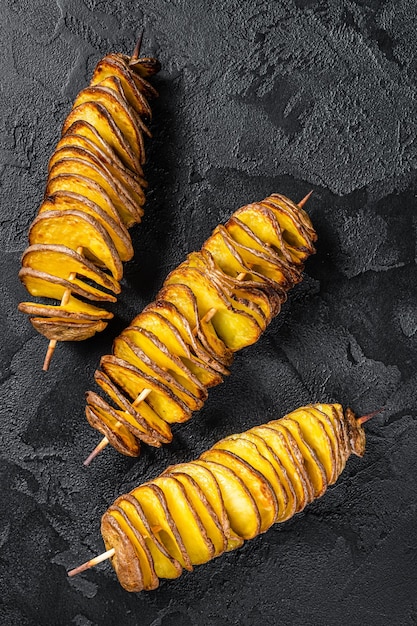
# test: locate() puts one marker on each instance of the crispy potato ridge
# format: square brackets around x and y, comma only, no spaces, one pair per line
[95,191]
[218,301]
[196,511]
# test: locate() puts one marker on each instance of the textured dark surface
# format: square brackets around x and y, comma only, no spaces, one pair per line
[255,97]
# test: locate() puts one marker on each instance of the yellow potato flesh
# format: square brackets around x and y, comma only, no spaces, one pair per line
[61,261]
[165,565]
[73,229]
[154,506]
[98,116]
[257,485]
[197,544]
[204,511]
[143,413]
[133,382]
[315,435]
[122,349]
[287,499]
[249,452]
[91,190]
[278,444]
[240,506]
[119,112]
[150,580]
[315,469]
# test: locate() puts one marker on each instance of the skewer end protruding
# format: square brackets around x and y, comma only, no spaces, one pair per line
[305,199]
[136,51]
[103,443]
[92,562]
[364,418]
[49,354]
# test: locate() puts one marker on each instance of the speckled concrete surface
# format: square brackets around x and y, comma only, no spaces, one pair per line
[255,97]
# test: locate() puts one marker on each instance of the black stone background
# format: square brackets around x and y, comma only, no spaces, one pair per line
[255,97]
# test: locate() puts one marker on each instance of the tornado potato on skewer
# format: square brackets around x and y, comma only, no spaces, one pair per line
[218,301]
[94,193]
[198,510]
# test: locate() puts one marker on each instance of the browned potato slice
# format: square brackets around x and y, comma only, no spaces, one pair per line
[64,312]
[40,284]
[165,333]
[315,469]
[80,147]
[264,225]
[289,502]
[204,263]
[132,381]
[204,511]
[317,438]
[260,291]
[82,128]
[69,201]
[119,110]
[158,352]
[93,191]
[208,485]
[137,427]
[296,453]
[294,233]
[142,553]
[240,506]
[249,452]
[257,485]
[115,84]
[165,565]
[333,436]
[244,235]
[202,365]
[184,300]
[61,329]
[257,260]
[235,328]
[99,117]
[154,505]
[336,416]
[86,171]
[76,308]
[62,261]
[142,413]
[124,560]
[117,434]
[275,439]
[197,543]
[110,65]
[126,349]
[74,229]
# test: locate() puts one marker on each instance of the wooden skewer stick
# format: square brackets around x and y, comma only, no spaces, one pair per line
[364,418]
[92,562]
[104,442]
[305,199]
[206,318]
[65,298]
[136,51]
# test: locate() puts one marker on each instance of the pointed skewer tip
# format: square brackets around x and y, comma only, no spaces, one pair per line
[136,51]
[364,418]
[92,562]
[103,443]
[305,199]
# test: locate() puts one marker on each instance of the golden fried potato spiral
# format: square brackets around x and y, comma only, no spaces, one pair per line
[195,511]
[218,301]
[94,193]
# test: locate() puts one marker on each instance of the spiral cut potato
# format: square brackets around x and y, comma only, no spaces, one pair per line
[195,511]
[216,302]
[94,193]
